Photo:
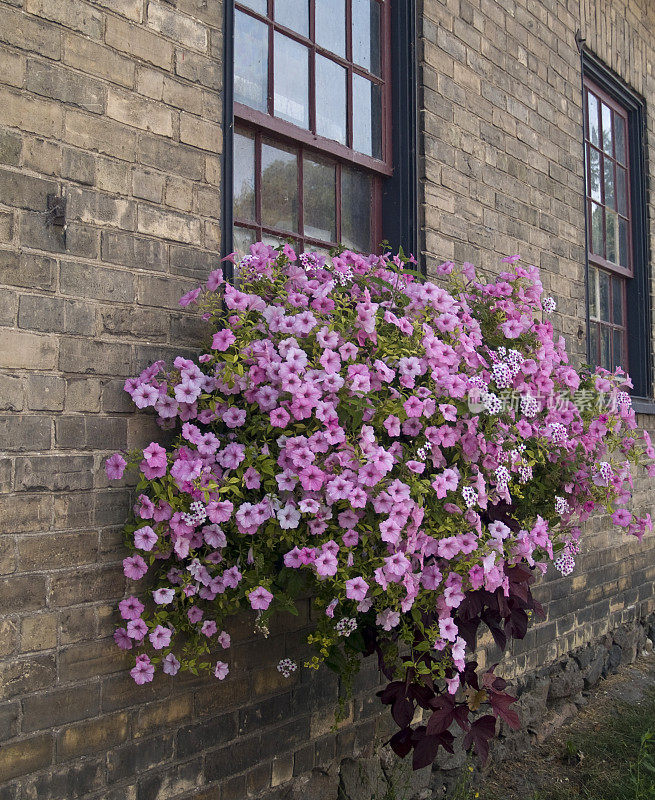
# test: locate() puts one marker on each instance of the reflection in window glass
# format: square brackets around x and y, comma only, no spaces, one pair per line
[607,128]
[367,117]
[606,347]
[355,210]
[609,182]
[604,296]
[244,177]
[611,236]
[621,191]
[593,343]
[596,229]
[618,350]
[319,200]
[279,188]
[594,130]
[242,238]
[617,301]
[293,14]
[330,25]
[594,173]
[366,34]
[330,99]
[291,81]
[257,5]
[250,61]
[619,136]
[593,292]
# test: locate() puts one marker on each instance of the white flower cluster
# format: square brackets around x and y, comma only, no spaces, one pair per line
[286,667]
[346,626]
[197,514]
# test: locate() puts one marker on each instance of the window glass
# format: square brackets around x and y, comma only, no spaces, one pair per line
[367,117]
[279,187]
[607,129]
[366,34]
[260,6]
[330,25]
[250,61]
[619,137]
[621,191]
[355,210]
[330,99]
[242,238]
[291,82]
[594,173]
[592,119]
[319,200]
[244,177]
[293,14]
[611,236]
[609,182]
[597,229]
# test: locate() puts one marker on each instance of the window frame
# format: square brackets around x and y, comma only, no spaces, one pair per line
[637,282]
[282,129]
[400,195]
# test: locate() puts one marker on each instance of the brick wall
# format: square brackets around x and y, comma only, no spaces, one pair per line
[116,104]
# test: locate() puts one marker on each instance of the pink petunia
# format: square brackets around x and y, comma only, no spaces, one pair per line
[122,639]
[279,418]
[143,671]
[356,589]
[131,608]
[134,567]
[222,340]
[221,670]
[260,598]
[160,637]
[115,467]
[145,538]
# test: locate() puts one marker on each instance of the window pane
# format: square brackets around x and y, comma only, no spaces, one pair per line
[596,229]
[242,238]
[618,349]
[330,99]
[367,117]
[619,136]
[593,344]
[617,301]
[611,236]
[609,183]
[291,92]
[319,200]
[279,188]
[257,5]
[355,210]
[594,129]
[293,14]
[621,193]
[594,173]
[624,256]
[251,61]
[244,176]
[366,34]
[330,25]
[276,241]
[604,296]
[605,347]
[607,128]
[593,292]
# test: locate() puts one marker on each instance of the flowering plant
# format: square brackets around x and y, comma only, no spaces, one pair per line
[392,446]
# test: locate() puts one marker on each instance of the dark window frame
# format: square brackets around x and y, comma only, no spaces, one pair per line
[638,285]
[399,213]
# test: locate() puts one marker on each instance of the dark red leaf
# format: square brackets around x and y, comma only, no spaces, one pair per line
[401,742]
[425,751]
[441,720]
[501,702]
[402,711]
[461,715]
[481,731]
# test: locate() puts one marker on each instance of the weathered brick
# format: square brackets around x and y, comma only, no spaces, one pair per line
[93,357]
[25,756]
[38,632]
[144,324]
[101,134]
[134,251]
[138,42]
[85,586]
[77,278]
[198,69]
[9,720]
[90,432]
[70,781]
[162,714]
[12,66]
[148,185]
[56,473]
[170,783]
[96,59]
[178,27]
[139,113]
[92,736]
[27,675]
[132,9]
[56,550]
[73,14]
[65,85]
[160,292]
[182,95]
[8,636]
[137,757]
[60,706]
[35,232]
[10,148]
[21,30]
[168,224]
[171,158]
[101,209]
[27,432]
[11,393]
[54,314]
[112,176]
[24,191]
[25,512]
[83,394]
[179,194]
[200,133]
[45,392]
[78,166]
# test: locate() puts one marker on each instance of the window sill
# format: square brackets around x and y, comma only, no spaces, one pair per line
[643,405]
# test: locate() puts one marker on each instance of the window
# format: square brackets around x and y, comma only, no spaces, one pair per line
[618,305]
[312,137]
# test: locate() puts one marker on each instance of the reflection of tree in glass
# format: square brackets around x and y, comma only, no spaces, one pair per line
[244,200]
[280,193]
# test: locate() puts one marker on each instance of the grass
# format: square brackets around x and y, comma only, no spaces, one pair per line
[611,756]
